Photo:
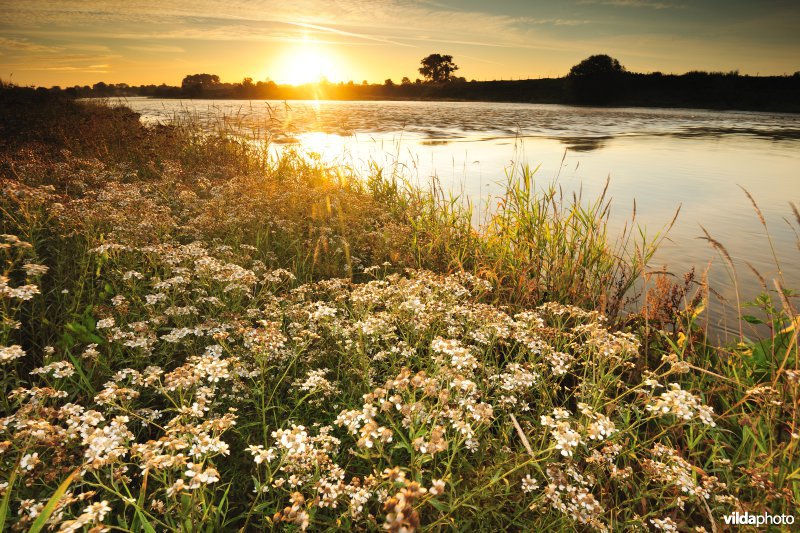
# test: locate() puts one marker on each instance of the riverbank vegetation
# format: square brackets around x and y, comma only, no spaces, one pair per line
[199,333]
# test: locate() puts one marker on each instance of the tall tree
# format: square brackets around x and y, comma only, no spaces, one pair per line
[438,68]
[597,65]
[194,84]
[598,79]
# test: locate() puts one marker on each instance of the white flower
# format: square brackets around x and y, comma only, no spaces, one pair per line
[29,461]
[437,487]
[529,484]
[32,269]
[9,353]
[664,524]
[105,323]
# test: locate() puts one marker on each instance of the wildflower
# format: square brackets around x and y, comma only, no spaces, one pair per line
[529,484]
[560,362]
[29,461]
[31,507]
[199,476]
[132,274]
[670,468]
[315,382]
[437,487]
[91,352]
[682,404]
[32,269]
[58,369]
[664,524]
[97,511]
[24,292]
[566,439]
[105,323]
[176,488]
[676,365]
[260,455]
[9,353]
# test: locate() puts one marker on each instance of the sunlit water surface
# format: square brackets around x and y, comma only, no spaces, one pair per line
[661,158]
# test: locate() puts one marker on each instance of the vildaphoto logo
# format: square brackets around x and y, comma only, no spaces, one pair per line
[750,519]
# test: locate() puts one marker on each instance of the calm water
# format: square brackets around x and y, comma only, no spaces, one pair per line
[662,158]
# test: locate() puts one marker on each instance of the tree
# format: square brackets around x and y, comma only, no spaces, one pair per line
[598,79]
[389,82]
[194,84]
[597,65]
[405,81]
[438,68]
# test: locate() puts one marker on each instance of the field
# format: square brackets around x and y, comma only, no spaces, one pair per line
[200,335]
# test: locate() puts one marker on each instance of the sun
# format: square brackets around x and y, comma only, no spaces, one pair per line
[306,63]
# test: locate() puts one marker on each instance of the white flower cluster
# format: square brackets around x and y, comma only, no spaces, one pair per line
[682,404]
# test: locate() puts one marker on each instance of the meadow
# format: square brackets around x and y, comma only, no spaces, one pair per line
[199,334]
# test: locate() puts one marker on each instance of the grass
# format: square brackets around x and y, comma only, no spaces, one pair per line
[215,337]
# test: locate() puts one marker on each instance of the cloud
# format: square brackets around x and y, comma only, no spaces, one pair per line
[157,49]
[651,4]
[24,45]
[392,22]
[556,21]
[93,69]
[346,33]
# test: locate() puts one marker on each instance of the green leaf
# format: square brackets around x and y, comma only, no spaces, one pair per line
[146,525]
[752,319]
[77,327]
[6,498]
[48,509]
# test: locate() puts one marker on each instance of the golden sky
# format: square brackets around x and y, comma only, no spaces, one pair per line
[68,42]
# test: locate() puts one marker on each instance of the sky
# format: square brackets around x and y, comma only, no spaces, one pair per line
[79,42]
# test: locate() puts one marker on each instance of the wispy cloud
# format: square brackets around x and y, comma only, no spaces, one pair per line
[651,4]
[24,45]
[555,21]
[346,33]
[92,69]
[380,21]
[157,49]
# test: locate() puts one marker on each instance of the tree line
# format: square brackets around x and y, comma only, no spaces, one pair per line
[597,80]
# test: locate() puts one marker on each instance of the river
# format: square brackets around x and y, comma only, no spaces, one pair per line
[661,158]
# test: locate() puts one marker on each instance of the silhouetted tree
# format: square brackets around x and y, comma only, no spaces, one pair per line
[100,88]
[405,81]
[438,68]
[597,65]
[389,82]
[195,84]
[598,79]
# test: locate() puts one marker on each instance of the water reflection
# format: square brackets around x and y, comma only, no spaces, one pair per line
[778,134]
[584,144]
